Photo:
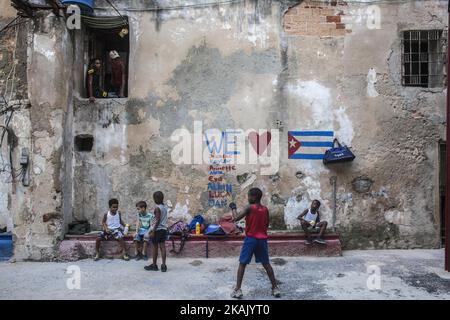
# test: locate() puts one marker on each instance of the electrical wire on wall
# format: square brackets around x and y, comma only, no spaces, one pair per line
[215,3]
[185,6]
[7,108]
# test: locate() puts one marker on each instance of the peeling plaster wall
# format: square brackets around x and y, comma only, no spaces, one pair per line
[37,210]
[13,87]
[203,61]
[236,66]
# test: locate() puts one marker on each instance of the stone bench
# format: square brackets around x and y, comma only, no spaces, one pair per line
[75,247]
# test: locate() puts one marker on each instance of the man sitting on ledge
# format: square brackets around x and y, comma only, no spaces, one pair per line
[310,220]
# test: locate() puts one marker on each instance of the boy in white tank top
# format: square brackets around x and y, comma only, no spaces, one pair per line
[112,229]
[310,219]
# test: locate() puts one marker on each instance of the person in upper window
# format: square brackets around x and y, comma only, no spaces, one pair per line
[94,87]
[117,73]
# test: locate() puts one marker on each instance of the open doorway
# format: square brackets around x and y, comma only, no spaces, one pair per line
[442,159]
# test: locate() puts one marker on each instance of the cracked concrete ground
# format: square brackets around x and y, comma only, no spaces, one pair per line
[405,274]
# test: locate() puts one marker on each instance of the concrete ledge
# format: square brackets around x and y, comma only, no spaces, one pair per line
[291,244]
[280,244]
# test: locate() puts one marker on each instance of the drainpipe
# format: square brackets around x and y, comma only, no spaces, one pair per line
[333,181]
[447,160]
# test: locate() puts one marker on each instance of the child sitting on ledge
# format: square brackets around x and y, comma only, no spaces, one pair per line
[310,219]
[112,229]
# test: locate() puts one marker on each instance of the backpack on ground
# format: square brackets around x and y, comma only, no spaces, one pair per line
[197,218]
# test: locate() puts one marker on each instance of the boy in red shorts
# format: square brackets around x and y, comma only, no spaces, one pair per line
[255,242]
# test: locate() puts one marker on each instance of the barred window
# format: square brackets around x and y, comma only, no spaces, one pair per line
[424,58]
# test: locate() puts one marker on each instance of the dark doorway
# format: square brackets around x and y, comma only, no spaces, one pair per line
[442,159]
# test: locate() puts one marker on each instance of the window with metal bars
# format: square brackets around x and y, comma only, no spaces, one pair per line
[424,58]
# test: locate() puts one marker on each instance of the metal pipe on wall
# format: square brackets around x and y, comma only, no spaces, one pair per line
[447,162]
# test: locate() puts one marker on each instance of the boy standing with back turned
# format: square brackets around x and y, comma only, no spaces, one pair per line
[158,233]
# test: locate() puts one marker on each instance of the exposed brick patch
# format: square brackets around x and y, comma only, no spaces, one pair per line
[335,19]
[313,18]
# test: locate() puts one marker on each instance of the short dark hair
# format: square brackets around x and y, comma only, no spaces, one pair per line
[256,192]
[113,201]
[92,62]
[317,201]
[141,204]
[158,196]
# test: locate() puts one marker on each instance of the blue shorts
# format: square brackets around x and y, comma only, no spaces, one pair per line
[142,235]
[257,247]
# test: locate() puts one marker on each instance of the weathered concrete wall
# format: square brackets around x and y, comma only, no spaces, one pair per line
[37,209]
[242,66]
[7,10]
[203,61]
[394,132]
[249,65]
[12,88]
[5,59]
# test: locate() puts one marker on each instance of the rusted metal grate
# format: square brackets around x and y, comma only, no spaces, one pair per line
[424,57]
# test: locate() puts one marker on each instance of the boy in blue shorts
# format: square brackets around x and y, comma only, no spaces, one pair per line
[143,224]
[255,242]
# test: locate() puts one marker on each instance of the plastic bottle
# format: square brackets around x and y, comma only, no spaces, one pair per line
[197,228]
[125,231]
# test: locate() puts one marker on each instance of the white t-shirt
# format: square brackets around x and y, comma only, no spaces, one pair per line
[311,216]
[113,221]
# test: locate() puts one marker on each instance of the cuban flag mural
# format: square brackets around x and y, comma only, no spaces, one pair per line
[309,145]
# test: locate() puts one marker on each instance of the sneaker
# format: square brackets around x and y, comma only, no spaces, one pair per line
[152,267]
[276,292]
[308,241]
[320,241]
[97,257]
[138,257]
[145,257]
[125,257]
[237,294]
[163,268]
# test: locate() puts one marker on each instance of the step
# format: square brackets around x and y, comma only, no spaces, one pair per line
[75,247]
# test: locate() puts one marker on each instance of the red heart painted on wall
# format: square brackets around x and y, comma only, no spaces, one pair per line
[259,142]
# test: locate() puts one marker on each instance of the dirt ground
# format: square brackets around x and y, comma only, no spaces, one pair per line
[384,274]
